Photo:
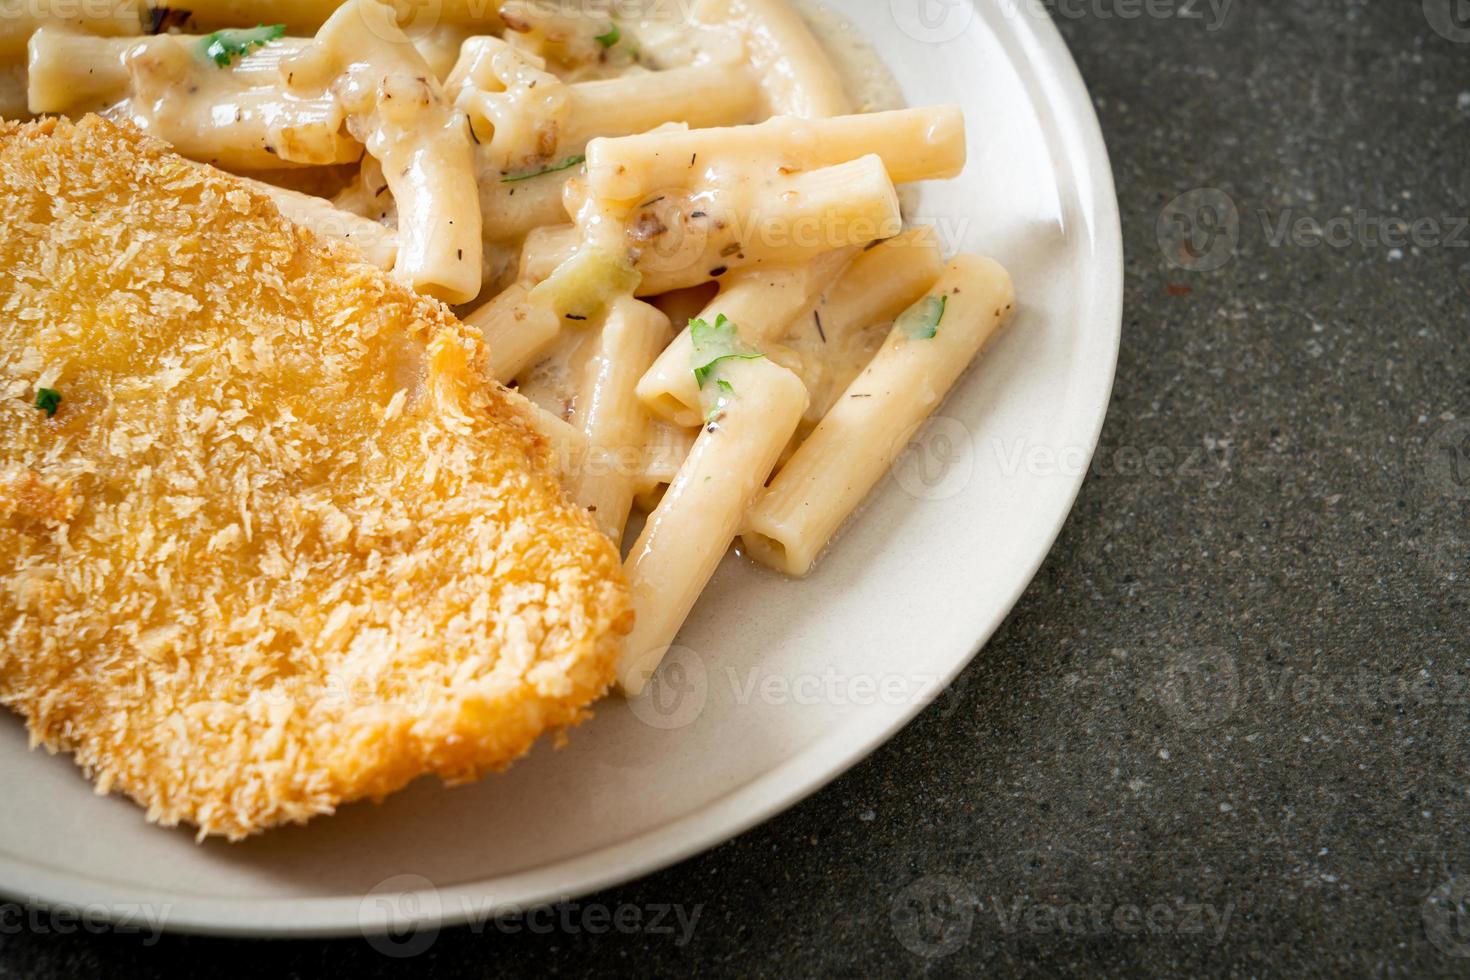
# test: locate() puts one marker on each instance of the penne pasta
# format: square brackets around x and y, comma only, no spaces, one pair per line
[855,444]
[613,420]
[829,343]
[526,120]
[687,536]
[516,331]
[676,244]
[298,16]
[665,449]
[19,19]
[236,116]
[914,144]
[798,78]
[568,443]
[719,94]
[378,245]
[399,112]
[306,16]
[763,303]
[547,248]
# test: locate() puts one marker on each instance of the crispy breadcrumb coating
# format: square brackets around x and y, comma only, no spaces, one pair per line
[283,544]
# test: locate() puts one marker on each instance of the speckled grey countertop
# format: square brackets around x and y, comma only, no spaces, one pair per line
[1225,732]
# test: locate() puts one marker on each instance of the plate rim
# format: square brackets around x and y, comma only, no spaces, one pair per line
[750,804]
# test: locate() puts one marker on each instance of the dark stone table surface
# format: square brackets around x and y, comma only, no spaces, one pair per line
[1225,731]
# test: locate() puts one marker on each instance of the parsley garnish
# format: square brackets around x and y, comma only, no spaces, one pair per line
[48,400]
[613,36]
[223,47]
[921,321]
[713,344]
[566,164]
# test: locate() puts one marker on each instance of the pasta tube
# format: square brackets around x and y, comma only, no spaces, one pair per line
[612,418]
[378,244]
[516,330]
[234,115]
[398,110]
[798,77]
[763,302]
[914,144]
[665,449]
[690,531]
[831,338]
[925,354]
[306,16]
[19,19]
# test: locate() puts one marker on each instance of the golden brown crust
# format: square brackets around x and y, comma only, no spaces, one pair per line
[283,545]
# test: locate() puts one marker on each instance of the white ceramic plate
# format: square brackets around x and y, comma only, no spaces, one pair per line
[780,686]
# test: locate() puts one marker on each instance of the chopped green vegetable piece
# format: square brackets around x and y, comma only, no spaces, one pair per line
[223,47]
[921,321]
[48,400]
[613,36]
[566,164]
[582,286]
[713,344]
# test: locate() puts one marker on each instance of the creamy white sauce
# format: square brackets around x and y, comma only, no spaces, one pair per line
[669,42]
[868,81]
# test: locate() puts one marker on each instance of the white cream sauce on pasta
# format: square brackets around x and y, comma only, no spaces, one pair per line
[667,41]
[869,82]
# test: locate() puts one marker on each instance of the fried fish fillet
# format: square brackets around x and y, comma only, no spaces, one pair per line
[282,544]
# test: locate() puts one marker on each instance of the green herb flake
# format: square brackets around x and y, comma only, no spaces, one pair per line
[613,36]
[566,164]
[48,400]
[921,321]
[223,47]
[716,343]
